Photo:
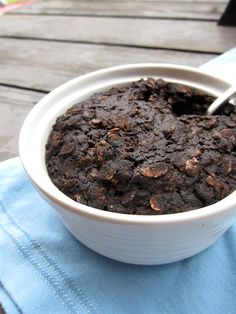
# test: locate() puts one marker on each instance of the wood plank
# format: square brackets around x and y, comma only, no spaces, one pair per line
[14,96]
[165,9]
[199,36]
[15,104]
[44,65]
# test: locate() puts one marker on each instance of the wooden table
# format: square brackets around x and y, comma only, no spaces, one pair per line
[49,42]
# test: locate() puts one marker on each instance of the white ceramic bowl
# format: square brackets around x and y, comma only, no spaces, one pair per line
[134,239]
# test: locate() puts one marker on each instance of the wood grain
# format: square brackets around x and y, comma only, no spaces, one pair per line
[96,34]
[44,65]
[15,104]
[199,36]
[165,9]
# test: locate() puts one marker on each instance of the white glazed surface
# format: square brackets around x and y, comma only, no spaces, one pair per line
[145,240]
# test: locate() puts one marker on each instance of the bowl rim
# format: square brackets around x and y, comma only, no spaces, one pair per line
[62,201]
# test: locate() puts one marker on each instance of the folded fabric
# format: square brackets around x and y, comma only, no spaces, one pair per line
[43,269]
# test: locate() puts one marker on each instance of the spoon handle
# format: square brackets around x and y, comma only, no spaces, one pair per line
[229,94]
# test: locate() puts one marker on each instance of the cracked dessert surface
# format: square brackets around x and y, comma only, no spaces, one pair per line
[146,148]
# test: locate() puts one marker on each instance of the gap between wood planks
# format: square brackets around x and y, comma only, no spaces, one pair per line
[140,17]
[24,88]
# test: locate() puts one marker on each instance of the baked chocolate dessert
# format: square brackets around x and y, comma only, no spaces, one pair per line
[146,148]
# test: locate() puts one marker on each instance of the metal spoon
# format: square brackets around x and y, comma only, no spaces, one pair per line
[227,95]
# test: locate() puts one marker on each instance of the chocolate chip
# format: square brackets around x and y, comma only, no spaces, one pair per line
[210,123]
[55,138]
[217,135]
[67,149]
[113,131]
[73,110]
[154,204]
[194,152]
[231,124]
[78,197]
[110,174]
[113,134]
[228,133]
[96,122]
[71,121]
[219,186]
[168,130]
[94,173]
[68,183]
[101,149]
[182,89]
[192,166]
[154,171]
[229,167]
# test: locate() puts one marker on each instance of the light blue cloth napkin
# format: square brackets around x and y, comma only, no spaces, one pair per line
[43,269]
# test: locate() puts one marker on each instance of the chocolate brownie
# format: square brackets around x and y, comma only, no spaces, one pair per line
[146,148]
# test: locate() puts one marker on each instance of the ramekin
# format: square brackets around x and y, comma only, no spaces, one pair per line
[144,240]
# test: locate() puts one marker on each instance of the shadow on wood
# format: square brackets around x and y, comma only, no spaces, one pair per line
[229,16]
